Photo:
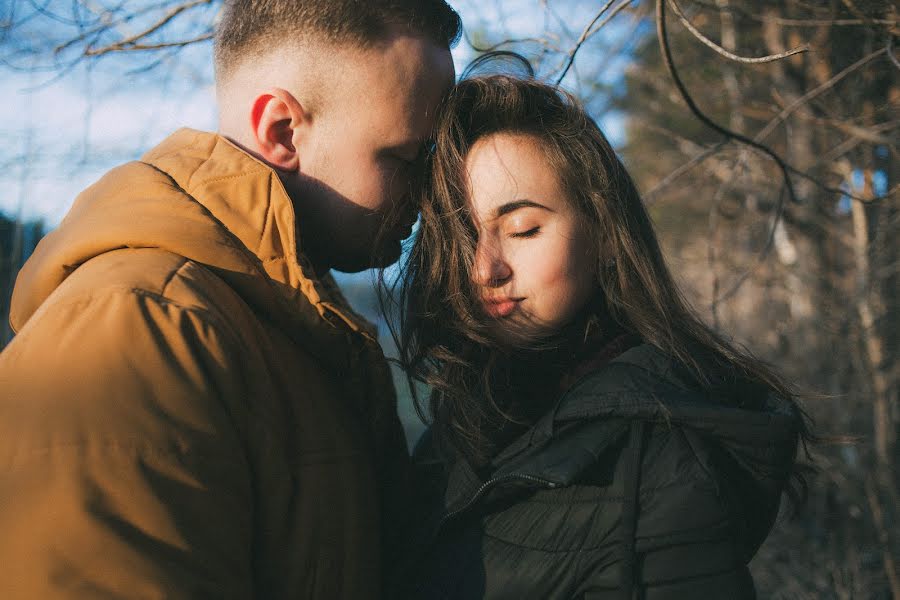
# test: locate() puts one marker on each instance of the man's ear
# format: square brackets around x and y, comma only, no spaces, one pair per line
[276,118]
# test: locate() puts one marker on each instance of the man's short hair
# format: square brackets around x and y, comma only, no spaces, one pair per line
[247,28]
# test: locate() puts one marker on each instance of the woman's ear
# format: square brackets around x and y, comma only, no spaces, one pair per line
[277,121]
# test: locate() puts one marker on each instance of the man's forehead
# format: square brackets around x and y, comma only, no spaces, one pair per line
[408,67]
[411,112]
[392,91]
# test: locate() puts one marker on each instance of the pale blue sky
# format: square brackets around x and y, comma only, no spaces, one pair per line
[63,133]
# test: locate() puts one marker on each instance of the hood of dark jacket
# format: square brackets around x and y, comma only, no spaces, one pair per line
[756,441]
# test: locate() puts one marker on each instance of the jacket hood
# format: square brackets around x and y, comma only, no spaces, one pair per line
[643,383]
[199,196]
[760,438]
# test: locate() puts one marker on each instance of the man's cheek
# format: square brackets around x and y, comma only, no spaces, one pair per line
[397,187]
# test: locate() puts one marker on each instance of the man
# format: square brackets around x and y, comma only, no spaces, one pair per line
[189,409]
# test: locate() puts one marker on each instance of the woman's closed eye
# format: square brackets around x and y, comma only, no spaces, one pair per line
[526,233]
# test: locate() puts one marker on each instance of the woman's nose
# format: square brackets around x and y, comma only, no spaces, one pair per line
[491,270]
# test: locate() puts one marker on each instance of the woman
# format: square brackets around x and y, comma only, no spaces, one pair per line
[590,437]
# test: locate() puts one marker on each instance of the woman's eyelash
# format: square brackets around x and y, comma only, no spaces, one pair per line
[526,234]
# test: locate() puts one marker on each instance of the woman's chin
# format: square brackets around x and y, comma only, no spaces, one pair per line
[521,332]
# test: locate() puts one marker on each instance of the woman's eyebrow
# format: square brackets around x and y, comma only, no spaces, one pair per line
[509,207]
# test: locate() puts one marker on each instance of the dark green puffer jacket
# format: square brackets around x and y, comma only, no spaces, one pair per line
[636,485]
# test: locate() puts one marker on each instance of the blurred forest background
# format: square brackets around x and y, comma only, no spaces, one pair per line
[762,134]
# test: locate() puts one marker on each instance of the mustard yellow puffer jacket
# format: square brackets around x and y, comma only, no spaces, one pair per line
[186,412]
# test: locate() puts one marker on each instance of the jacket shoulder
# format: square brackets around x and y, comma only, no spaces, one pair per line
[638,369]
[130,176]
[122,435]
[152,273]
[123,354]
[642,383]
[686,537]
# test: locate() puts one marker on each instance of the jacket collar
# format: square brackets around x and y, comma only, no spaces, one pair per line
[640,384]
[248,199]
[199,196]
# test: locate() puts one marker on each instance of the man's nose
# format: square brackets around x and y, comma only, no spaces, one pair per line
[491,269]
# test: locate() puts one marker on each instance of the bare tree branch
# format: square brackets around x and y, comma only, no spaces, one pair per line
[800,22]
[871,134]
[840,150]
[650,196]
[890,50]
[507,42]
[104,24]
[143,47]
[587,33]
[666,53]
[785,168]
[727,54]
[761,255]
[765,131]
[132,42]
[711,256]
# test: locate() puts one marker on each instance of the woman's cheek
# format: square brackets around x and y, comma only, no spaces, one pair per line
[557,260]
[547,275]
[566,281]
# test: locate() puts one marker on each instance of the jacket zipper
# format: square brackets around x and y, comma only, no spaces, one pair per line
[489,484]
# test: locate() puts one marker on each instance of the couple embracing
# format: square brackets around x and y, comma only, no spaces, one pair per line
[190,409]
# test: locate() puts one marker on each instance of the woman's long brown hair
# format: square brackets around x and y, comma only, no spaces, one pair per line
[444,340]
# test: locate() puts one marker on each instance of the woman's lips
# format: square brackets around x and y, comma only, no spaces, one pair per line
[501,307]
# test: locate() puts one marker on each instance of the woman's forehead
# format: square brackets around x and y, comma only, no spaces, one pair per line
[510,167]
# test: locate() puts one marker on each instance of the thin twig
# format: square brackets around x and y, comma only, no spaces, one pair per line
[104,23]
[131,42]
[770,240]
[851,6]
[786,168]
[839,150]
[609,17]
[671,177]
[666,52]
[786,112]
[871,134]
[43,10]
[144,47]
[727,54]
[582,39]
[890,50]
[711,256]
[507,42]
[834,190]
[798,22]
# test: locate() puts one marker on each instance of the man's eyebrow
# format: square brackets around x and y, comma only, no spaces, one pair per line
[509,207]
